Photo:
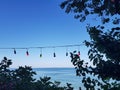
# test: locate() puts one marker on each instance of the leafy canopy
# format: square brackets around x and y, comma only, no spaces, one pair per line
[104,44]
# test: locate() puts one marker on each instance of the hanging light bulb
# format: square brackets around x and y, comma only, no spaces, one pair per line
[66,52]
[41,52]
[54,55]
[14,51]
[78,53]
[40,55]
[27,53]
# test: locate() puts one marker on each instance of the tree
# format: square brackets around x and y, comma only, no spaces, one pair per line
[22,79]
[5,74]
[104,47]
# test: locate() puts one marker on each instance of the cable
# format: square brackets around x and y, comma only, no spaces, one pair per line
[73,45]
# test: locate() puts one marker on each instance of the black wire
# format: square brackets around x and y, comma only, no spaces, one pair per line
[74,45]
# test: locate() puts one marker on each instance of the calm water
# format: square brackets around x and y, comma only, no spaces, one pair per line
[64,75]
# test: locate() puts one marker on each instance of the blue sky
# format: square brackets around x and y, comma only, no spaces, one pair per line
[36,23]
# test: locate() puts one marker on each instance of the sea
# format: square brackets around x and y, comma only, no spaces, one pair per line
[63,75]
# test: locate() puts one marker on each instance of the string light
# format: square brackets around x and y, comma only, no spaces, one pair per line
[14,51]
[40,52]
[54,54]
[78,53]
[27,53]
[66,51]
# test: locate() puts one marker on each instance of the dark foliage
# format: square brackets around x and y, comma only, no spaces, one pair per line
[83,8]
[22,79]
[104,47]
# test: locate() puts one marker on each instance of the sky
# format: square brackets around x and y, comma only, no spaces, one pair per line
[39,23]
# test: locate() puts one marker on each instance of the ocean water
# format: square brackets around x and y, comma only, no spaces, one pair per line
[64,75]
